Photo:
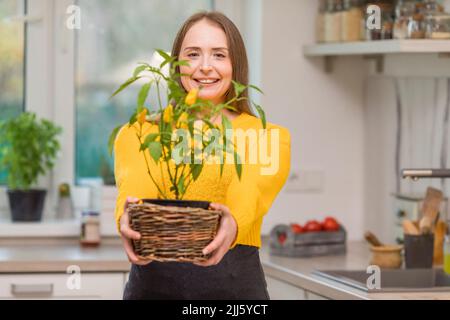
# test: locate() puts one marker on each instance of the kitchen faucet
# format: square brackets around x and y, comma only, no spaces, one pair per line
[416,174]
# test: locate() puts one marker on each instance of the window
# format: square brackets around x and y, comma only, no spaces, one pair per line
[112,39]
[12,65]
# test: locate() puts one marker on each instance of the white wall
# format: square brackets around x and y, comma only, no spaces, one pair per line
[324,113]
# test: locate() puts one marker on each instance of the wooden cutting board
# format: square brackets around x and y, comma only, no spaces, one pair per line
[430,210]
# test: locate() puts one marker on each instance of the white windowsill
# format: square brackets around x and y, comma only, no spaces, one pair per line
[68,228]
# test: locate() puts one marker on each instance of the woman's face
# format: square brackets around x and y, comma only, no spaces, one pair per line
[205,48]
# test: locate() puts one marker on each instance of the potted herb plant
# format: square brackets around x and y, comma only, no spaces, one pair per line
[174,149]
[28,148]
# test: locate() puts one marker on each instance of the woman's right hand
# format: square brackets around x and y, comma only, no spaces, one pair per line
[127,234]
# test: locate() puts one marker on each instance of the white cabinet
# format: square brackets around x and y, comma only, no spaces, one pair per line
[280,290]
[62,286]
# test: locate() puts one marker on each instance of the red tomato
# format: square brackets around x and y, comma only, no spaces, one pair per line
[296,228]
[330,219]
[282,238]
[330,225]
[313,226]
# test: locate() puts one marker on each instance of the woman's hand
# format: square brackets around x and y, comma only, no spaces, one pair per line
[128,234]
[224,238]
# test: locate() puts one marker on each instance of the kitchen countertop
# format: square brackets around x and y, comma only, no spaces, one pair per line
[55,255]
[298,272]
[50,255]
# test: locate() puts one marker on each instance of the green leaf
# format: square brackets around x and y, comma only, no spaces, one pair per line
[155,150]
[256,88]
[164,54]
[112,138]
[196,169]
[238,88]
[138,70]
[221,168]
[124,85]
[143,94]
[262,115]
[133,119]
[238,164]
[150,138]
[181,63]
[180,185]
[226,124]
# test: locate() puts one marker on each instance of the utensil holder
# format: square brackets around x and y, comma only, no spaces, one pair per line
[419,251]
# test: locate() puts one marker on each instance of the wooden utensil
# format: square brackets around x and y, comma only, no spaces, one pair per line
[410,228]
[439,235]
[372,239]
[430,209]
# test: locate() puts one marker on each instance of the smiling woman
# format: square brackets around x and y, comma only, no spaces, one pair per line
[215,51]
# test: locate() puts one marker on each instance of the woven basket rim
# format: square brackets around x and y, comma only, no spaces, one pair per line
[173,208]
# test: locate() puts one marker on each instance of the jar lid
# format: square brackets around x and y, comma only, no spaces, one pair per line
[90,213]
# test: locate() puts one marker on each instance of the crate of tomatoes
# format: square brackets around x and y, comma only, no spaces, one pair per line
[314,238]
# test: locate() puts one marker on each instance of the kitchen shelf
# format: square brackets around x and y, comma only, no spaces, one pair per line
[376,49]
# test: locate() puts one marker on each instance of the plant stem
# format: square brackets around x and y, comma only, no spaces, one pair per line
[146,163]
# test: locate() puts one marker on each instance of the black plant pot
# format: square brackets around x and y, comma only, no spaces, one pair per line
[26,205]
[179,203]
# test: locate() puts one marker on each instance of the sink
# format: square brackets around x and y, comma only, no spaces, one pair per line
[392,280]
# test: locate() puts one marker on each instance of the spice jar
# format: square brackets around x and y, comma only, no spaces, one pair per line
[320,21]
[333,21]
[90,229]
[431,6]
[438,26]
[403,12]
[351,18]
[416,27]
[387,22]
[387,25]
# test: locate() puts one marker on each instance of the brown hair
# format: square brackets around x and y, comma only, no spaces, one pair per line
[236,46]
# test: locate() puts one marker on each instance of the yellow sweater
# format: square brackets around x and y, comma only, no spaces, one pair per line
[248,199]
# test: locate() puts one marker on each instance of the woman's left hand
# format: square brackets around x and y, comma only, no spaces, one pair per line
[224,238]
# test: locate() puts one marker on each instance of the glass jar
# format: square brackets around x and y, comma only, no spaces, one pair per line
[333,21]
[403,12]
[437,26]
[351,18]
[320,21]
[387,23]
[431,6]
[90,229]
[416,27]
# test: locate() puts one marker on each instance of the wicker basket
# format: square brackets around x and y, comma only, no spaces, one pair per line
[171,233]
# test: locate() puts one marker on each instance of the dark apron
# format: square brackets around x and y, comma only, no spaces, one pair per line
[238,276]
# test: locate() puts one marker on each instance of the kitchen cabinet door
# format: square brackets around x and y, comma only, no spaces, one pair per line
[280,290]
[61,286]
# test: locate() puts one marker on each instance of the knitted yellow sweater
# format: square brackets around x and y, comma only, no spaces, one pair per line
[248,199]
